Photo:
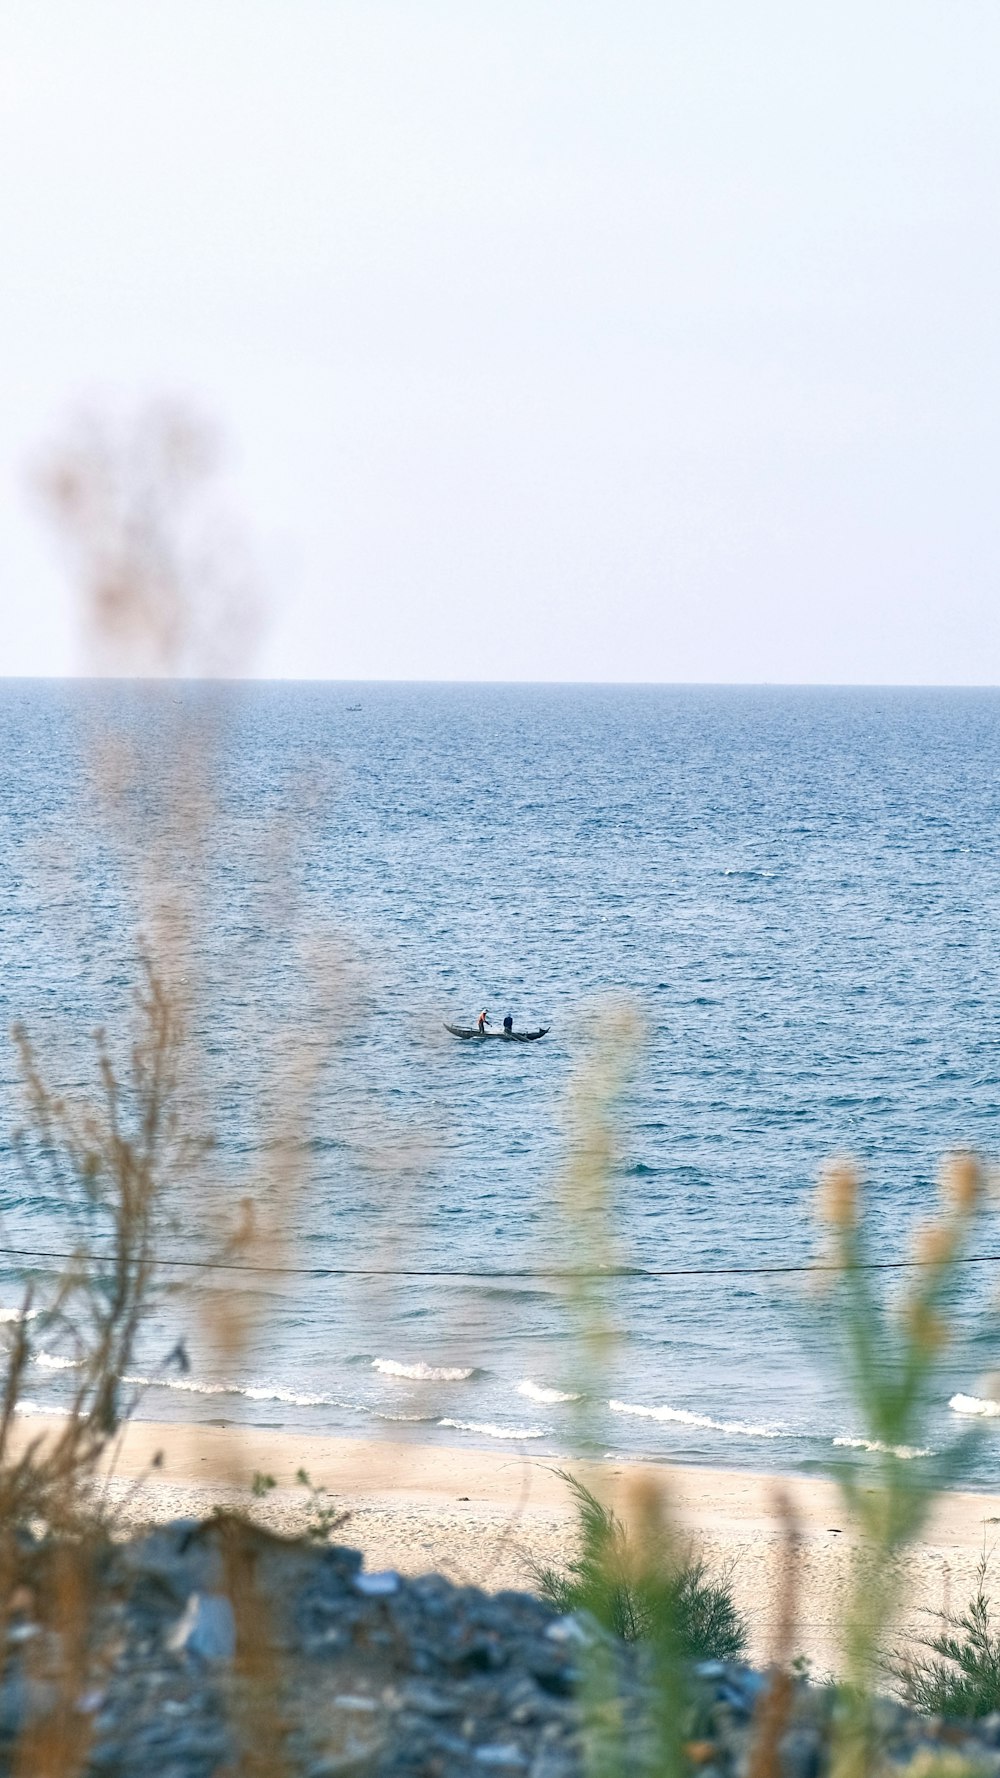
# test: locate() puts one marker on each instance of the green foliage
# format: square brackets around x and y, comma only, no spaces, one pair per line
[892,1351]
[261,1484]
[944,1763]
[961,1675]
[324,1517]
[679,1602]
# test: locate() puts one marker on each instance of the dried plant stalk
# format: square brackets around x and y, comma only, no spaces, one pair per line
[774,1711]
[113,1160]
[256,1688]
[57,1741]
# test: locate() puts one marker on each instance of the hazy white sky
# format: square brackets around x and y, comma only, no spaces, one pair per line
[553,340]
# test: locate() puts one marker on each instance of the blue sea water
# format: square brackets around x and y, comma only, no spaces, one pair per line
[797,890]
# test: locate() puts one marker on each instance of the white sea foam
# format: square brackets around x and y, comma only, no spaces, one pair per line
[252,1391]
[52,1361]
[982,1406]
[262,1391]
[906,1452]
[395,1419]
[423,1373]
[488,1430]
[268,1392]
[38,1407]
[539,1392]
[292,1397]
[18,1315]
[683,1417]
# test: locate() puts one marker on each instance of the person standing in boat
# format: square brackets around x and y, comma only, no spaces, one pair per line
[508,1024]
[481,1022]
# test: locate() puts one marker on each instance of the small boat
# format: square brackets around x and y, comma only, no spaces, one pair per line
[473,1031]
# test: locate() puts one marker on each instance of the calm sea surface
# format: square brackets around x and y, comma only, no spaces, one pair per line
[798,890]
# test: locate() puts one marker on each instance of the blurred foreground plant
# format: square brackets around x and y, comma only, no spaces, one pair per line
[892,1354]
[165,594]
[164,582]
[586,1202]
[960,1676]
[111,1160]
[608,1579]
[638,1574]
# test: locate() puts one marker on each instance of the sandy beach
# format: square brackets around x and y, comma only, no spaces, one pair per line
[484,1517]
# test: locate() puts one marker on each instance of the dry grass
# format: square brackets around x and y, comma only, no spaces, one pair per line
[111,1160]
[775,1707]
[165,592]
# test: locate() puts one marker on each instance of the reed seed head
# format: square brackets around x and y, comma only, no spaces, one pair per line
[927,1330]
[934,1244]
[647,1514]
[961,1183]
[837,1196]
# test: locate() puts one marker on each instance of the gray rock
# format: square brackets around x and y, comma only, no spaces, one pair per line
[176,1558]
[341,1765]
[573,1629]
[384,1677]
[548,1764]
[989,1729]
[427,1700]
[206,1628]
[23,1700]
[801,1754]
[553,1675]
[377,1586]
[506,1757]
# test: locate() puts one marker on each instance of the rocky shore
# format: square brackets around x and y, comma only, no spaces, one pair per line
[215,1648]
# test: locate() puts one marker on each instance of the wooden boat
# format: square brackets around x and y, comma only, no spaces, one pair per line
[473,1031]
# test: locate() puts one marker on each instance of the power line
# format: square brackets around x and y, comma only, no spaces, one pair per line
[558,1273]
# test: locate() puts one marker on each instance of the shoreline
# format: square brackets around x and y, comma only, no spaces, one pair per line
[487,1518]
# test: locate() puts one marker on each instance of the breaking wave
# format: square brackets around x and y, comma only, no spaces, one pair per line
[487,1429]
[907,1452]
[252,1391]
[539,1392]
[683,1417]
[982,1406]
[293,1398]
[424,1373]
[263,1392]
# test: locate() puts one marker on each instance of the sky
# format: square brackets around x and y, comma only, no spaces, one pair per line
[550,340]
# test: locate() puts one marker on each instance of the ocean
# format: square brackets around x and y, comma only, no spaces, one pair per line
[796,890]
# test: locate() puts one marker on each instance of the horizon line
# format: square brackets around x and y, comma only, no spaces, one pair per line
[547,684]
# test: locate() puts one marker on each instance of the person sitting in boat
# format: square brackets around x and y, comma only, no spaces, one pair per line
[508,1024]
[481,1022]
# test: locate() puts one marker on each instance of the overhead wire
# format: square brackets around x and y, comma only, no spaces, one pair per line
[774,1269]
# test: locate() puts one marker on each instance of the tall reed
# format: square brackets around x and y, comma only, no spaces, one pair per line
[647,1566]
[891,1352]
[111,1160]
[131,1160]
